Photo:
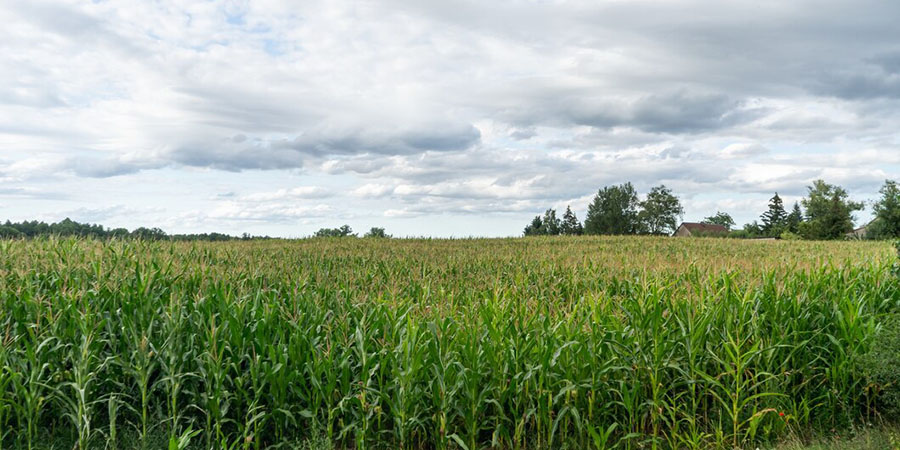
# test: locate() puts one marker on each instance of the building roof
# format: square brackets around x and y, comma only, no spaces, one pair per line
[707,228]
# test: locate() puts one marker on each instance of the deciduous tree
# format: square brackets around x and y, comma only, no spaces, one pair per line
[614,210]
[829,211]
[660,212]
[720,218]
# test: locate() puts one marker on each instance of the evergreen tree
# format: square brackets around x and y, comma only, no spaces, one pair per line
[570,224]
[794,219]
[886,224]
[613,211]
[773,220]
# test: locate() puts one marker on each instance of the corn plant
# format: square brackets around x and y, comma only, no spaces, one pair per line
[569,342]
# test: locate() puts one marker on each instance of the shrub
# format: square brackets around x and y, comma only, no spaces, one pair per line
[881,366]
[897,264]
[788,236]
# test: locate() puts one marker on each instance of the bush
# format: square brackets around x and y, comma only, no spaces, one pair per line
[9,232]
[788,236]
[881,366]
[377,232]
[897,264]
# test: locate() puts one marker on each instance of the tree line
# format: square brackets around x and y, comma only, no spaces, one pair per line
[69,227]
[616,210]
[346,231]
[826,212]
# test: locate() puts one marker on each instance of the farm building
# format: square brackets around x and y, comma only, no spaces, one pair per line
[859,233]
[699,229]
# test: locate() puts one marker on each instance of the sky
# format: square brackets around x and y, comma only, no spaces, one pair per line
[436,118]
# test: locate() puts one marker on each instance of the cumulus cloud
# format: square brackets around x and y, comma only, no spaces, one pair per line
[409,109]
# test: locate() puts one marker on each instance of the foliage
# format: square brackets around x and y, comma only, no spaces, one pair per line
[376,232]
[887,212]
[775,218]
[69,227]
[720,218]
[881,366]
[897,264]
[660,211]
[549,225]
[614,210]
[794,219]
[590,342]
[787,235]
[570,224]
[535,228]
[343,231]
[829,212]
[865,438]
[9,232]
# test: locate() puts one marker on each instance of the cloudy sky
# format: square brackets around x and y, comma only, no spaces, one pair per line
[435,117]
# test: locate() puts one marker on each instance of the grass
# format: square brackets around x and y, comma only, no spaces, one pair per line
[886,438]
[630,342]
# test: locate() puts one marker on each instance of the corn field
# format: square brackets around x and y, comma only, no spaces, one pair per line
[538,343]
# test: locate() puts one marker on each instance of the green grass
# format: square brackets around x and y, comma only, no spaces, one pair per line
[887,438]
[631,342]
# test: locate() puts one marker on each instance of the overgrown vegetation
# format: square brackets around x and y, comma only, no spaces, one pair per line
[628,342]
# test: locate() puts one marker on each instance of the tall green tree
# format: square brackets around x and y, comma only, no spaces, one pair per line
[794,218]
[773,220]
[535,228]
[886,224]
[551,224]
[614,210]
[343,231]
[829,211]
[376,232]
[720,218]
[570,224]
[660,212]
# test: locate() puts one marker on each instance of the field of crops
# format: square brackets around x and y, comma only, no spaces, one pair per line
[631,342]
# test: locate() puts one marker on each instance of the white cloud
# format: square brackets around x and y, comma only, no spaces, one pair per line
[326,110]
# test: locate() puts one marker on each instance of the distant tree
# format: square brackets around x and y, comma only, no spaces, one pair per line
[660,212]
[720,218]
[794,218]
[118,233]
[751,230]
[570,224]
[343,231]
[828,210]
[535,228]
[773,220]
[551,224]
[152,234]
[886,224]
[614,210]
[376,232]
[7,231]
